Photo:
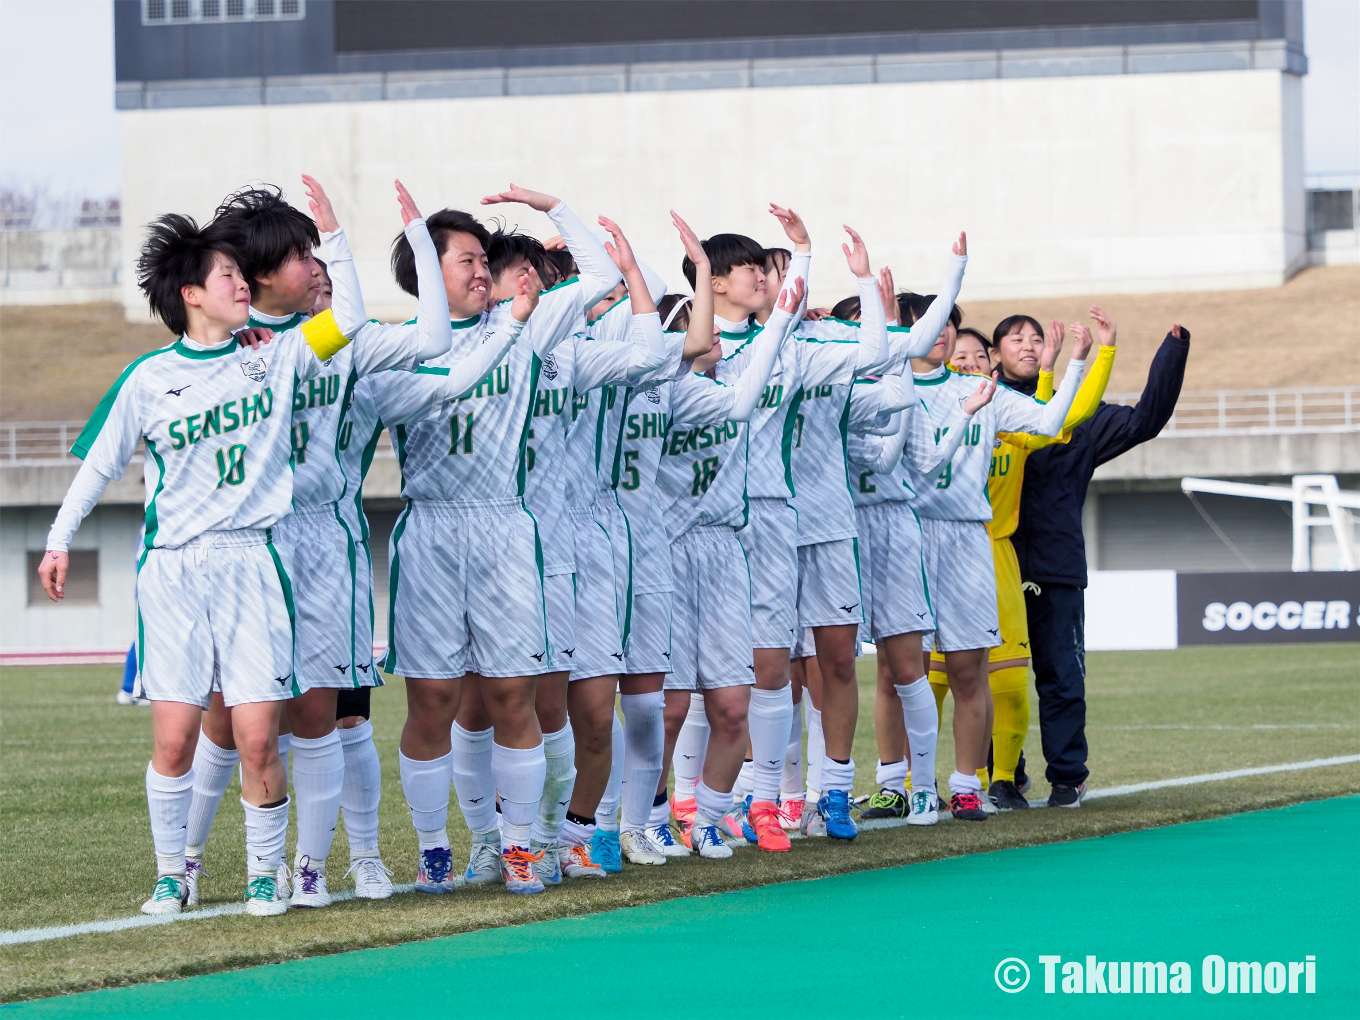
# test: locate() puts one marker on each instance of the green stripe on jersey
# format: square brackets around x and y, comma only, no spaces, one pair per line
[286,585]
[393,578]
[90,432]
[194,354]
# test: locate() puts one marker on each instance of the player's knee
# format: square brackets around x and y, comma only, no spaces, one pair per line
[728,723]
[258,752]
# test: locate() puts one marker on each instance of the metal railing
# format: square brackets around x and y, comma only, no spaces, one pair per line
[1225,412]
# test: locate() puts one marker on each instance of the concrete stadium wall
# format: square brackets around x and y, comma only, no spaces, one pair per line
[1066,185]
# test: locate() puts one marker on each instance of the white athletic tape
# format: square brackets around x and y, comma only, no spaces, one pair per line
[14,938]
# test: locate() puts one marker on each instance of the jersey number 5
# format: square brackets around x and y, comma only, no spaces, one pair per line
[231,465]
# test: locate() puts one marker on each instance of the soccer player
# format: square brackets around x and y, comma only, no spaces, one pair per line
[214,597]
[467,543]
[277,241]
[954,510]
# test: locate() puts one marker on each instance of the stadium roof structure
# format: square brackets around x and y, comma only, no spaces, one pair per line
[179,53]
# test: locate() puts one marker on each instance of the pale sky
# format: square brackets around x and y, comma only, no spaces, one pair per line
[58,128]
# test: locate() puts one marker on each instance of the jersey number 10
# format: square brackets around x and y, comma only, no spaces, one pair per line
[231,465]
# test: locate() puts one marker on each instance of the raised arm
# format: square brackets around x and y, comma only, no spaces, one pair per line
[872,350]
[924,451]
[916,342]
[749,386]
[347,299]
[1018,413]
[699,335]
[432,311]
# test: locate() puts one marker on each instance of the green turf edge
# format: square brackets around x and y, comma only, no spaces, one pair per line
[1087,823]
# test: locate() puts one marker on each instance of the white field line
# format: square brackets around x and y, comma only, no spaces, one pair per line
[23,935]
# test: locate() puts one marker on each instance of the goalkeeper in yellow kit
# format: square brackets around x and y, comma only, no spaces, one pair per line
[1018,350]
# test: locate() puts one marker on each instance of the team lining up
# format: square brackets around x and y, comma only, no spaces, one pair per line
[697,505]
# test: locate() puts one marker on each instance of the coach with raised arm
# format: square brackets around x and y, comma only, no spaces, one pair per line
[1052,552]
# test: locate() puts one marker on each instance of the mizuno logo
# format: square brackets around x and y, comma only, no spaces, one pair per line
[568,652]
[922,754]
[282,681]
[687,756]
[666,654]
[616,655]
[536,656]
[993,630]
[342,669]
[850,608]
[476,800]
[920,616]
[173,392]
[361,666]
[771,761]
[1024,644]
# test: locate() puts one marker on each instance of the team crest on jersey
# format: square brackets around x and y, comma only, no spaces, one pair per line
[254,370]
[653,395]
[550,367]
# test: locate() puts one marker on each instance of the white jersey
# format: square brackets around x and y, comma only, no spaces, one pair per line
[545,458]
[217,431]
[869,486]
[958,492]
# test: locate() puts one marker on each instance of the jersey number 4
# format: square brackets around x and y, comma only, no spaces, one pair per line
[231,465]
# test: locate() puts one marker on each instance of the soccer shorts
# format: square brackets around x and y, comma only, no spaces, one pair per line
[649,644]
[324,564]
[829,591]
[559,591]
[962,584]
[805,647]
[599,641]
[711,616]
[218,612]
[770,540]
[466,586]
[896,596]
[1010,606]
[363,621]
[610,516]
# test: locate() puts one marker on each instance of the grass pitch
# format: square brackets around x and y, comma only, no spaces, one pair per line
[76,844]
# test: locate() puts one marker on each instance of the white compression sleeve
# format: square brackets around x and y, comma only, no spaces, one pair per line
[432,312]
[1055,411]
[918,341]
[599,275]
[873,328]
[347,300]
[86,488]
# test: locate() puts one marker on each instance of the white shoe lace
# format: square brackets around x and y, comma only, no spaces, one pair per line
[283,881]
[486,857]
[369,871]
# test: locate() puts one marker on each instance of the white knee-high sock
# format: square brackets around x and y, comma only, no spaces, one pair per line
[213,767]
[518,776]
[285,745]
[922,722]
[362,790]
[741,789]
[559,753]
[607,814]
[838,775]
[768,718]
[472,777]
[690,746]
[816,752]
[892,776]
[710,805]
[426,786]
[167,799]
[644,733]
[265,830]
[791,784]
[318,778]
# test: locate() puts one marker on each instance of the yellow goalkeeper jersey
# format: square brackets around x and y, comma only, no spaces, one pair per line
[1012,448]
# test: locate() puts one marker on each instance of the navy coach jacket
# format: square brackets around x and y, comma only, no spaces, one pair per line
[1049,541]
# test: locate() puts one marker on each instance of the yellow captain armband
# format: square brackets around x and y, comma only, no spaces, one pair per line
[323,336]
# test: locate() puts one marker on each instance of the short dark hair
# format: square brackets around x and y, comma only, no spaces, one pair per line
[978,336]
[1012,322]
[725,252]
[781,255]
[510,246]
[846,309]
[667,304]
[268,231]
[911,306]
[558,265]
[441,225]
[178,253]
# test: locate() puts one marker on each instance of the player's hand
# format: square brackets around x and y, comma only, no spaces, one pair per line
[961,245]
[813,314]
[620,251]
[1084,341]
[555,243]
[1053,341]
[526,299]
[1106,327]
[856,255]
[792,296]
[1176,330]
[254,336]
[980,398]
[320,205]
[52,573]
[522,196]
[887,293]
[793,226]
[409,212]
[690,240]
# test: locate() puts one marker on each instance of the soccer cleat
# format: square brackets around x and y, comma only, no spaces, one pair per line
[733,824]
[310,888]
[925,808]
[986,804]
[667,839]
[791,814]
[812,822]
[169,896]
[763,816]
[638,848]
[124,698]
[484,861]
[373,879]
[193,874]
[576,862]
[517,868]
[604,850]
[709,842]
[547,867]
[263,897]
[967,807]
[283,880]
[886,803]
[434,873]
[1022,780]
[1063,795]
[834,807]
[1006,796]
[683,809]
